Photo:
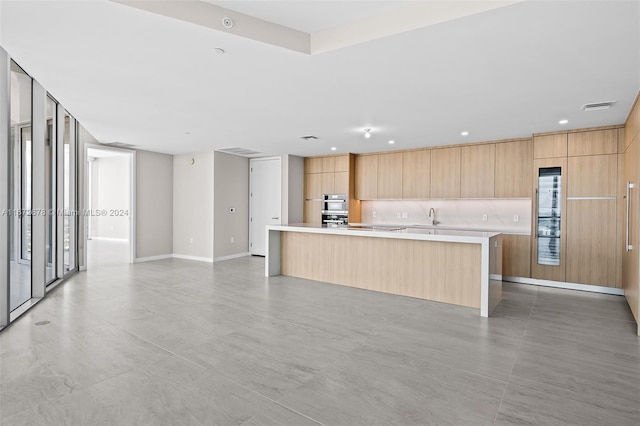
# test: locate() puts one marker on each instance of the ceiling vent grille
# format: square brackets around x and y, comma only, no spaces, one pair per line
[243,152]
[309,138]
[597,106]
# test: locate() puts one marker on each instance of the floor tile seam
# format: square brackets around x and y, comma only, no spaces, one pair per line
[286,407]
[515,359]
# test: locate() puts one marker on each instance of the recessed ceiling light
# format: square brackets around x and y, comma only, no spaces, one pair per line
[465,133]
[563,121]
[367,133]
[392,142]
[187,133]
[219,50]
[333,148]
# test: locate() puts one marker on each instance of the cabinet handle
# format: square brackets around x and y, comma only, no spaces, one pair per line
[535,235]
[628,246]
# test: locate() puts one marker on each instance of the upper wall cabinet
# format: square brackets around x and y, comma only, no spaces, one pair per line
[445,172]
[390,176]
[367,177]
[513,169]
[550,146]
[592,176]
[342,163]
[478,171]
[416,174]
[593,143]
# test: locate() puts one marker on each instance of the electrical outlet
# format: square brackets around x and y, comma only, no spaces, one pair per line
[374,214]
[516,218]
[405,215]
[484,217]
[398,215]
[233,240]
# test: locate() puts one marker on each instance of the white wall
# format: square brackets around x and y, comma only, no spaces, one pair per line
[154,204]
[231,190]
[193,205]
[110,192]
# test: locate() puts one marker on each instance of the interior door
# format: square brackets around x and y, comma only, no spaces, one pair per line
[265,201]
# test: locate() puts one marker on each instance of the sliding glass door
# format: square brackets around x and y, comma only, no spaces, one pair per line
[50,189]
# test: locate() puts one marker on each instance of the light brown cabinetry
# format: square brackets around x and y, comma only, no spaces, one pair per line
[389,176]
[342,163]
[592,176]
[416,174]
[445,172]
[516,251]
[341,183]
[477,171]
[595,142]
[550,146]
[367,177]
[312,186]
[591,252]
[513,169]
[313,212]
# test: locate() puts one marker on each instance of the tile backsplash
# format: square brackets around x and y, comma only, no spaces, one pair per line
[499,213]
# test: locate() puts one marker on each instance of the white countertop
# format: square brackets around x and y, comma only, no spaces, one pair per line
[440,227]
[383,231]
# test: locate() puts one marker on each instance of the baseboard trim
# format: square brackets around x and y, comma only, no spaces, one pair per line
[198,258]
[152,258]
[231,256]
[568,286]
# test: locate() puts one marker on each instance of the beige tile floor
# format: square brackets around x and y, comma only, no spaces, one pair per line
[180,342]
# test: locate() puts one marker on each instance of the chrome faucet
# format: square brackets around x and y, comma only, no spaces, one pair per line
[432,215]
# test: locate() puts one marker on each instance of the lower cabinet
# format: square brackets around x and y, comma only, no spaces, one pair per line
[591,257]
[516,256]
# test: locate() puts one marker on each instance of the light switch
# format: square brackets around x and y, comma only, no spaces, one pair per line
[405,215]
[484,217]
[516,218]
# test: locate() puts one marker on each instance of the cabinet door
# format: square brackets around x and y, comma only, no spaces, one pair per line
[313,212]
[390,176]
[327,164]
[445,173]
[313,164]
[342,163]
[549,244]
[416,174]
[477,171]
[550,146]
[513,169]
[596,142]
[591,242]
[516,256]
[312,186]
[327,183]
[367,177]
[592,176]
[342,183]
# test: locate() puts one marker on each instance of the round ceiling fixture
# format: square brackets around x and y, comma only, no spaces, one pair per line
[563,121]
[333,148]
[392,142]
[227,22]
[219,50]
[465,133]
[367,133]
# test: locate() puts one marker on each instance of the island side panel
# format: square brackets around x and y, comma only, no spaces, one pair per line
[495,272]
[446,272]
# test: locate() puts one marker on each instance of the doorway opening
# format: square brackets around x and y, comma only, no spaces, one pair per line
[109,215]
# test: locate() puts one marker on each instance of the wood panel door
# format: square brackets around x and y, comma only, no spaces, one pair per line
[313,186]
[367,177]
[390,176]
[513,169]
[516,256]
[445,172]
[591,239]
[549,241]
[341,183]
[550,146]
[477,171]
[631,217]
[416,174]
[327,183]
[596,142]
[313,164]
[313,212]
[342,163]
[592,176]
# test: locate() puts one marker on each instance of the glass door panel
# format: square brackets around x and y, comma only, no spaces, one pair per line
[549,215]
[50,189]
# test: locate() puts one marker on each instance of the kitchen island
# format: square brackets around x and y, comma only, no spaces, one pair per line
[457,267]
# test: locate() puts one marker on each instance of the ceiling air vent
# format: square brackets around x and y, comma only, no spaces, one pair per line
[309,138]
[243,152]
[118,144]
[597,106]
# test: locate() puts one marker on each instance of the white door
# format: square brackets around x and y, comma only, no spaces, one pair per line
[265,202]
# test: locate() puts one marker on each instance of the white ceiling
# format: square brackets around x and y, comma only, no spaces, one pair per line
[311,16]
[144,79]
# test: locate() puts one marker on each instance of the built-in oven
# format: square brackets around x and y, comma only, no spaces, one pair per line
[335,210]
